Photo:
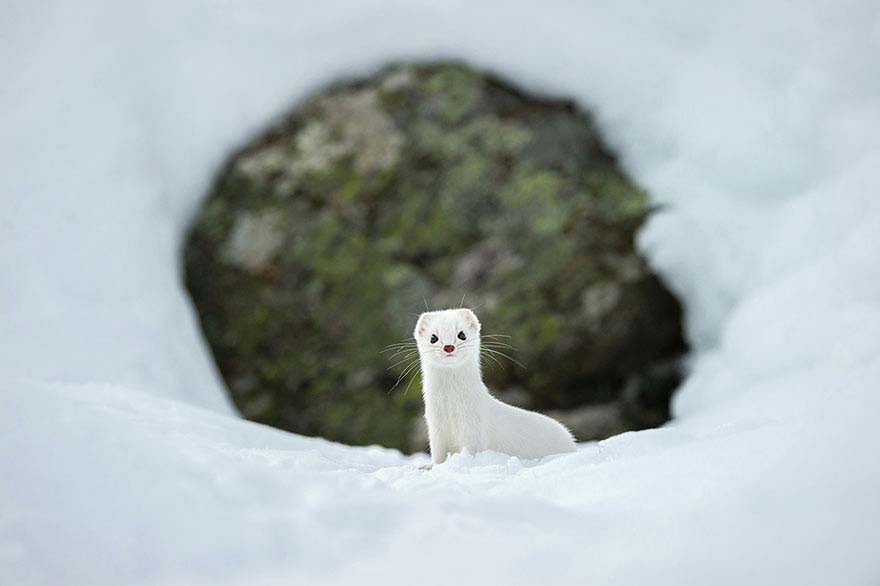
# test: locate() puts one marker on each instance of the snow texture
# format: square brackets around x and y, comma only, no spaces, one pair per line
[756,126]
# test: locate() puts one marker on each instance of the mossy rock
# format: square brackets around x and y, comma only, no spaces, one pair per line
[324,237]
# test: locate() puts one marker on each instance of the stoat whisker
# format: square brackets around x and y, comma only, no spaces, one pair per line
[415,362]
[499,345]
[412,369]
[492,358]
[399,344]
[505,356]
[402,360]
[411,379]
[392,346]
[485,352]
[495,336]
[403,375]
[401,351]
[398,351]
[397,355]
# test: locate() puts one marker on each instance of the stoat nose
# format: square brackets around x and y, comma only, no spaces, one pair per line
[449,348]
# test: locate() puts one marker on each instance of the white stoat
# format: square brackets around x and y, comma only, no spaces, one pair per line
[460,412]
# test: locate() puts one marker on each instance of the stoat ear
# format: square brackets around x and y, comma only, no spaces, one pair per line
[421,326]
[471,318]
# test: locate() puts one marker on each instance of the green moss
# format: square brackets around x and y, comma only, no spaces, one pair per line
[455,91]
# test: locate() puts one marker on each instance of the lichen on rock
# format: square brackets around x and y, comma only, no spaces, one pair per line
[255,238]
[424,183]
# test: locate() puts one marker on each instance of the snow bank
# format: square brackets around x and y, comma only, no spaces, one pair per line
[115,486]
[756,125]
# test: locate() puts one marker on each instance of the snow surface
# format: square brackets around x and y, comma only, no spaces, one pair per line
[755,124]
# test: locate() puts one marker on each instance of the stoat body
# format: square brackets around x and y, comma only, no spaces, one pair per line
[460,412]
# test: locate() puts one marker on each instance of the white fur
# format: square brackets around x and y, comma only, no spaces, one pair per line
[460,412]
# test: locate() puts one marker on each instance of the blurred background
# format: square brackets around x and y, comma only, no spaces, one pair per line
[430,185]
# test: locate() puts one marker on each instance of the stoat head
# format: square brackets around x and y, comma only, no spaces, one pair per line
[448,338]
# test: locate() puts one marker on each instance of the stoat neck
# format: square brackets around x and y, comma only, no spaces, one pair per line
[462,379]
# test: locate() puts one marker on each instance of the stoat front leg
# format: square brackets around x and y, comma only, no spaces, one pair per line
[438,449]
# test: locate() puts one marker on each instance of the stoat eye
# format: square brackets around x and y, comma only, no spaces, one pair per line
[461,336]
[434,338]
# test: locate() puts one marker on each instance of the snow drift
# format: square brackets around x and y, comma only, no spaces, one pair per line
[756,126]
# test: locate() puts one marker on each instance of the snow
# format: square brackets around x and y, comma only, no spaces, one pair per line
[756,125]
